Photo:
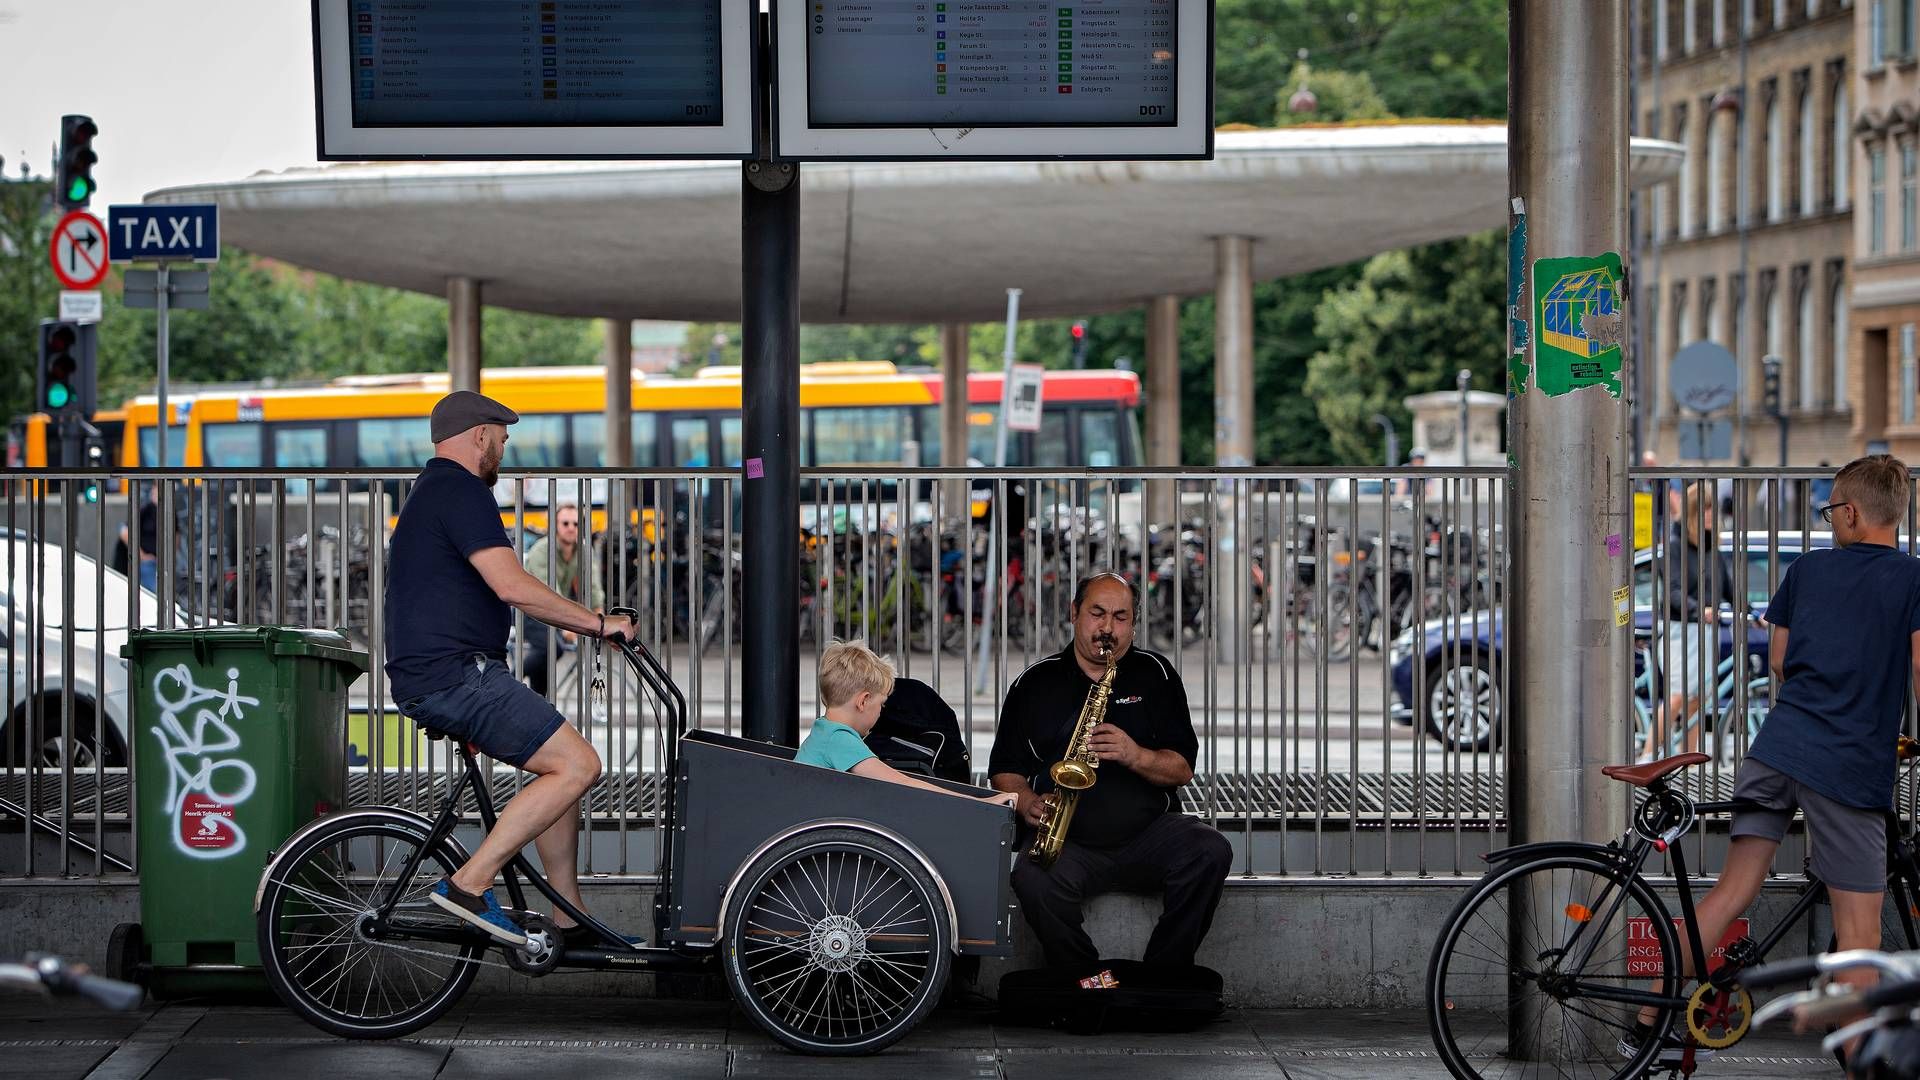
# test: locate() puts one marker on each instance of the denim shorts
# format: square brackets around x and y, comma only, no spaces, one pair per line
[490,709]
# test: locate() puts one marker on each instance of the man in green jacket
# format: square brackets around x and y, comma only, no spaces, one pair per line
[562,538]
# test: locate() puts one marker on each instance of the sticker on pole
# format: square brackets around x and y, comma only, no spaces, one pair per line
[79,251]
[1580,316]
[80,306]
[1023,397]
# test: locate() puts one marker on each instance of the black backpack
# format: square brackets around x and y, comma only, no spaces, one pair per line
[1148,997]
[918,733]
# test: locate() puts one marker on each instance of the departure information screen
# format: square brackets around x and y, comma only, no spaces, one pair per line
[535,63]
[990,63]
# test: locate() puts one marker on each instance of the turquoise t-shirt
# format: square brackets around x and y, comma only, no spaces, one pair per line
[832,746]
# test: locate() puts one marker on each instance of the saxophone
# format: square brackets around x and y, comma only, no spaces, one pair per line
[1074,772]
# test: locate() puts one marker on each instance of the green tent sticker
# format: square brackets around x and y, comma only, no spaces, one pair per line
[1580,318]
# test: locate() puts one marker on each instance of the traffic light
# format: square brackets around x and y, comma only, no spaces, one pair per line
[73,175]
[1080,344]
[64,380]
[1770,385]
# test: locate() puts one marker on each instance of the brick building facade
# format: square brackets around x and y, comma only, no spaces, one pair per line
[1886,228]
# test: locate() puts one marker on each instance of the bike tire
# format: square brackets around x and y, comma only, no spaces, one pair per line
[311,902]
[1467,993]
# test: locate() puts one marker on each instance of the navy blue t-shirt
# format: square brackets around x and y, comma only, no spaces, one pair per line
[1850,614]
[440,611]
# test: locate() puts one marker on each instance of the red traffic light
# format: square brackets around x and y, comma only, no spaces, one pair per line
[1079,330]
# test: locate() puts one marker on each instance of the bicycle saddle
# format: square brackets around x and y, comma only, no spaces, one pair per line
[1642,775]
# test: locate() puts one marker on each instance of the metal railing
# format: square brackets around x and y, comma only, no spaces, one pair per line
[1337,631]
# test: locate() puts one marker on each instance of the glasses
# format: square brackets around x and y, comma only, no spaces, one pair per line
[1826,512]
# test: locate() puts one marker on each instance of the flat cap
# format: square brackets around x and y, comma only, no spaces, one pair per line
[464,409]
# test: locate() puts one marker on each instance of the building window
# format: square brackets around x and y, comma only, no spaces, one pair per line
[1908,239]
[1772,339]
[1840,344]
[1905,29]
[1877,34]
[1807,200]
[1809,385]
[1738,317]
[1717,122]
[1691,15]
[1686,184]
[1842,147]
[1776,163]
[1907,373]
[1877,200]
[1719,22]
[1660,28]
[1779,13]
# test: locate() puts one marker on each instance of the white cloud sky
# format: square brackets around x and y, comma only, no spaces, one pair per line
[183,92]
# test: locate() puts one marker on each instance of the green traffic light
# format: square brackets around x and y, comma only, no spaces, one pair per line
[91,493]
[79,189]
[58,395]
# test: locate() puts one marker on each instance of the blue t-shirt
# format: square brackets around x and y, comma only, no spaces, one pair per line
[440,611]
[833,746]
[1850,614]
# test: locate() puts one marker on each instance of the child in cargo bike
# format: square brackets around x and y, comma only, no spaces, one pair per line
[854,684]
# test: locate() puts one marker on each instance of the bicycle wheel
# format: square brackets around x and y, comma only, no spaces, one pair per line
[314,910]
[1478,988]
[837,942]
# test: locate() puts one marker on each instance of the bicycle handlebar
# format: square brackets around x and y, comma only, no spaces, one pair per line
[56,977]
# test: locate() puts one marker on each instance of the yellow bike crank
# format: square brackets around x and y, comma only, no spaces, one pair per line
[1717,1017]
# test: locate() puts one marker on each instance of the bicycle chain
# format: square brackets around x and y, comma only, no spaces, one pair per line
[437,955]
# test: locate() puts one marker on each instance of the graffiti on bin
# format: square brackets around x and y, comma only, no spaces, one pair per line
[203,788]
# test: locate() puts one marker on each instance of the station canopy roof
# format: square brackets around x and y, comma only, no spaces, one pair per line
[885,242]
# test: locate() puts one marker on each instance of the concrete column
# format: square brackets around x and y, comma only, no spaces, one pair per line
[463,333]
[1232,434]
[953,415]
[1163,403]
[619,427]
[1233,351]
[1568,691]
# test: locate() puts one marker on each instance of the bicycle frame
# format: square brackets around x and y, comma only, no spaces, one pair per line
[620,951]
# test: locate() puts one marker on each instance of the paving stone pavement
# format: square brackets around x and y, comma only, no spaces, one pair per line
[503,1036]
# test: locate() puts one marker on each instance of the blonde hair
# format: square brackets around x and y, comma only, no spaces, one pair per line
[1876,486]
[847,668]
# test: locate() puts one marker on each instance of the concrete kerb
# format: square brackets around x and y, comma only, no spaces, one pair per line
[1278,942]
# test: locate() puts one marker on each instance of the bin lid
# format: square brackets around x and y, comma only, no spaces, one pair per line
[277,640]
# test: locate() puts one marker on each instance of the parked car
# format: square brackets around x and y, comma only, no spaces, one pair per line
[1464,662]
[32,610]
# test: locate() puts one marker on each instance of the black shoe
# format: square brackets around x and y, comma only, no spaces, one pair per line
[1673,1049]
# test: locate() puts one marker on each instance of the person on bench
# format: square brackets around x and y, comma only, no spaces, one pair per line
[1127,832]
[854,684]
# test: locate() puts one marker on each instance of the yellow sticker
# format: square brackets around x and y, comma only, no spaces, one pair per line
[1622,605]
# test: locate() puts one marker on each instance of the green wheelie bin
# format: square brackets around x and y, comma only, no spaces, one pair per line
[238,740]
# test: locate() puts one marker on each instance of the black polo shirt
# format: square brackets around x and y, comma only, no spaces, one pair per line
[440,611]
[1148,703]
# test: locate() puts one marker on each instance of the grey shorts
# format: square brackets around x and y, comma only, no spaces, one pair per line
[490,709]
[1849,844]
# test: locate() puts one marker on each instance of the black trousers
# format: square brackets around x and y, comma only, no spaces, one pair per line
[533,657]
[1182,858]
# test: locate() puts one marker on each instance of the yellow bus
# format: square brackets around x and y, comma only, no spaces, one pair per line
[852,413]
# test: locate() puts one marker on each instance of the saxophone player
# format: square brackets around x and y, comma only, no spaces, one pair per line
[1127,831]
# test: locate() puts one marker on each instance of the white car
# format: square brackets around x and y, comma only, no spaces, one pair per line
[33,603]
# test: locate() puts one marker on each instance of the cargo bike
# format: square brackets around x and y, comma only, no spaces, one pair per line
[832,905]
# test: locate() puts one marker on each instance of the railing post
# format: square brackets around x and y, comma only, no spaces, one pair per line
[1567,162]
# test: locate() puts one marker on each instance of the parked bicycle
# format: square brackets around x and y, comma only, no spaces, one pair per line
[1564,940]
[1889,1040]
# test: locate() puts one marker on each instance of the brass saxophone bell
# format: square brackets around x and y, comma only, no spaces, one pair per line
[1073,775]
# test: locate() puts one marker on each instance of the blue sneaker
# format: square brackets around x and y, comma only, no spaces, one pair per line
[482,911]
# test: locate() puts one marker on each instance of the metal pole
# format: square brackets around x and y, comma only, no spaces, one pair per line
[1567,164]
[997,521]
[619,407]
[1393,438]
[162,293]
[1465,381]
[1163,403]
[770,429]
[953,420]
[464,354]
[163,490]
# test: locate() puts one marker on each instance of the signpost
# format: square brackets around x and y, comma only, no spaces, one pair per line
[83,307]
[1023,397]
[165,234]
[1704,378]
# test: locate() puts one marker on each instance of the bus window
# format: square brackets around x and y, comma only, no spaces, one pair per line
[300,448]
[690,449]
[389,442]
[537,441]
[926,421]
[176,445]
[1050,442]
[590,439]
[1100,437]
[235,446]
[859,436]
[982,423]
[730,441]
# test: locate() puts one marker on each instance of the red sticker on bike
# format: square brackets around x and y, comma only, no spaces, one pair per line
[1643,948]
